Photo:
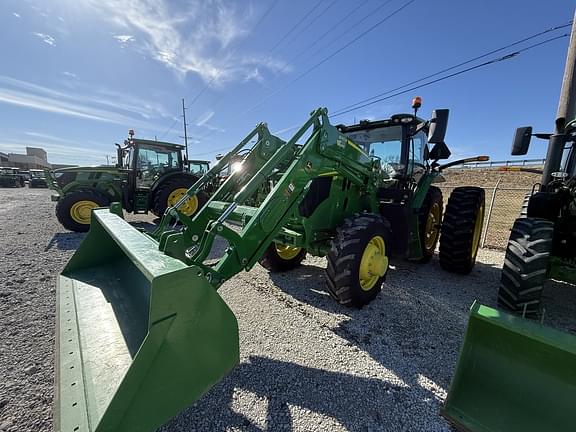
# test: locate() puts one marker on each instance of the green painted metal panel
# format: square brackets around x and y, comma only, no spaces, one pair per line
[140,334]
[513,375]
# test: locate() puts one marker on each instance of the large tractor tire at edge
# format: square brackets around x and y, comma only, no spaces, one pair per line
[168,194]
[526,265]
[357,261]
[74,210]
[461,229]
[280,258]
[429,221]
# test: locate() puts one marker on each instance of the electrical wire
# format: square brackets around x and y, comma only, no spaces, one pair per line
[332,55]
[497,60]
[461,64]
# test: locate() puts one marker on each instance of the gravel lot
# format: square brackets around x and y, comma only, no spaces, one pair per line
[307,364]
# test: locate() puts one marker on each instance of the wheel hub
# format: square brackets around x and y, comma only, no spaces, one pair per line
[189,207]
[81,211]
[373,264]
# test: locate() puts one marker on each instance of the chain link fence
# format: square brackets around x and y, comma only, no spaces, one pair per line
[503,206]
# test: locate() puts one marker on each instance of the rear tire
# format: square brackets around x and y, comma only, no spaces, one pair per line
[280,258]
[461,229]
[168,193]
[357,261]
[429,221]
[73,210]
[526,265]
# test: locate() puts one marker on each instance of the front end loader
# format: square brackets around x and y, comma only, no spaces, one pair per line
[142,331]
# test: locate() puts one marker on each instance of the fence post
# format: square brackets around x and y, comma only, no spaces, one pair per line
[490,212]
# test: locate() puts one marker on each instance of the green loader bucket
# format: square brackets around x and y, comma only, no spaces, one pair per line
[140,335]
[513,375]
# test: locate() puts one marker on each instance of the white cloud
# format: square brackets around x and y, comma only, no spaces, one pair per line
[204,118]
[70,74]
[92,104]
[17,15]
[123,39]
[46,38]
[191,37]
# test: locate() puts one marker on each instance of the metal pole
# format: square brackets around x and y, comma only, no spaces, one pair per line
[185,128]
[490,212]
[566,111]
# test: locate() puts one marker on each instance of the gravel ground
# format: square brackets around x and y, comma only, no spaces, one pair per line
[307,364]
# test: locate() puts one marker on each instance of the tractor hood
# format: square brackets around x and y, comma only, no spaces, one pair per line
[87,168]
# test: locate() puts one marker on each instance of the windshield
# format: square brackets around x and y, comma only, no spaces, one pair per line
[8,171]
[197,167]
[37,174]
[384,143]
[154,161]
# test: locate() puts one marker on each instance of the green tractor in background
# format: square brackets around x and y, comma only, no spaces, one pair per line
[141,330]
[542,244]
[11,177]
[37,179]
[149,176]
[515,374]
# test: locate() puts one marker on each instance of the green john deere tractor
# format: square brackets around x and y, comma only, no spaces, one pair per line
[149,176]
[10,177]
[37,179]
[515,374]
[142,332]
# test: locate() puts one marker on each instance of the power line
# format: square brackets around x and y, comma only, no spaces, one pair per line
[461,64]
[332,28]
[332,55]
[497,60]
[295,26]
[312,21]
[350,27]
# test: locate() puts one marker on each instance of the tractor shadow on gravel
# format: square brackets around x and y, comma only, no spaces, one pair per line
[416,325]
[277,386]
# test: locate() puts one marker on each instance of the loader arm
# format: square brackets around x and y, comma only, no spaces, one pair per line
[322,154]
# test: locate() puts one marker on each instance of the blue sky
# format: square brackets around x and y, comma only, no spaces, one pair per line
[77,74]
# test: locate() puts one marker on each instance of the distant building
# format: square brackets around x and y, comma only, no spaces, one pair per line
[38,152]
[35,158]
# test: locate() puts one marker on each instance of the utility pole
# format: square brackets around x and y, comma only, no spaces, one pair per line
[566,111]
[185,127]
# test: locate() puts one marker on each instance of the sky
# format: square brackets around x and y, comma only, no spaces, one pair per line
[75,75]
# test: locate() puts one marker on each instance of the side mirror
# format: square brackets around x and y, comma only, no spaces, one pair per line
[439,151]
[521,141]
[438,125]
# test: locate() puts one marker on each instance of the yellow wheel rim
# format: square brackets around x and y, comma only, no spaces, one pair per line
[287,252]
[477,231]
[189,207]
[373,264]
[80,211]
[432,230]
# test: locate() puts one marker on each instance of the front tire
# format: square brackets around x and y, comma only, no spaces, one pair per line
[461,229]
[281,258]
[526,265]
[358,261]
[74,210]
[171,191]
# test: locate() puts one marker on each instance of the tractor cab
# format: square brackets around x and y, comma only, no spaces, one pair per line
[400,149]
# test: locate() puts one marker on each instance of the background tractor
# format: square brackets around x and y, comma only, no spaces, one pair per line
[10,177]
[515,374]
[37,179]
[142,331]
[149,176]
